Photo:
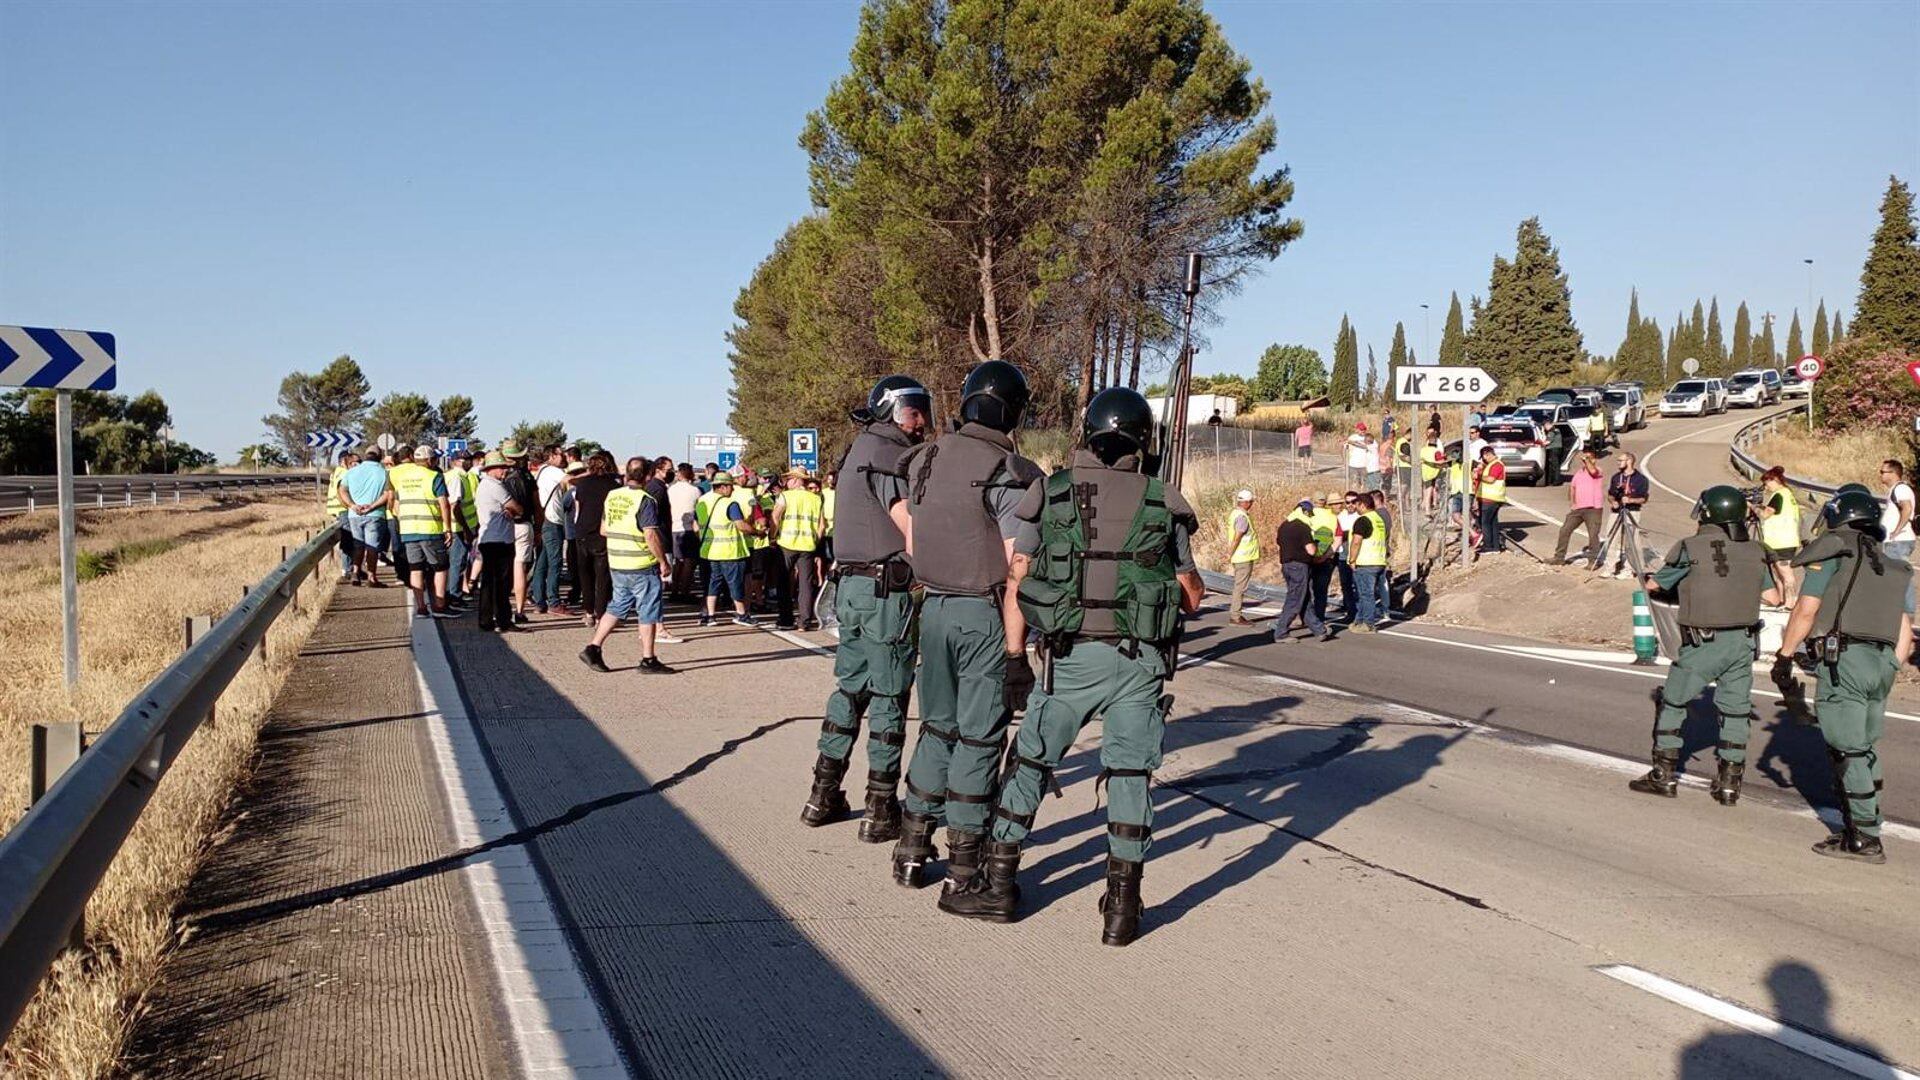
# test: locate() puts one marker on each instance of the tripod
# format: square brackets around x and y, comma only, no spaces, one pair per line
[1625,531]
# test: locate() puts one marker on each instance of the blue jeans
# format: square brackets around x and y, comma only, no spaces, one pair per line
[1903,551]
[1372,583]
[456,558]
[543,586]
[636,593]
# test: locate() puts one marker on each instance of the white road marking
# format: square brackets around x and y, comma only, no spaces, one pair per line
[553,1020]
[1739,1016]
[792,638]
[1646,463]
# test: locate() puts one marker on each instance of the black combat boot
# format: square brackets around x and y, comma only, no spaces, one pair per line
[1661,779]
[882,822]
[1851,843]
[963,861]
[1726,785]
[994,892]
[826,802]
[914,848]
[1121,904]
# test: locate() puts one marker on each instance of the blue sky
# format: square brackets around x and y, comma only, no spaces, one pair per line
[552,207]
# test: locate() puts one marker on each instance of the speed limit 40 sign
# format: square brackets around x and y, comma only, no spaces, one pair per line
[1416,385]
[1809,367]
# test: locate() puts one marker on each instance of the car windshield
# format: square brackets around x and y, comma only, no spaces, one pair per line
[1507,433]
[1745,380]
[1682,389]
[1579,412]
[1616,397]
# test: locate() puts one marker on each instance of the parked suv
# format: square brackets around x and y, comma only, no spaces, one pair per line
[1522,446]
[1746,390]
[1628,407]
[1694,397]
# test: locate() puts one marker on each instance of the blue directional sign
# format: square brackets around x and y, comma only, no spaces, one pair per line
[56,359]
[803,447]
[727,459]
[334,440]
[455,446]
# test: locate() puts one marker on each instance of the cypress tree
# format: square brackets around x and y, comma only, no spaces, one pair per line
[1889,303]
[1627,357]
[1820,338]
[1742,355]
[1796,347]
[1765,354]
[1344,392]
[1525,336]
[1372,393]
[1397,355]
[1453,340]
[1653,356]
[1716,341]
[1838,331]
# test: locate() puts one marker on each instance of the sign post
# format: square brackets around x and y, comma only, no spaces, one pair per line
[62,361]
[1418,385]
[803,448]
[1811,367]
[329,443]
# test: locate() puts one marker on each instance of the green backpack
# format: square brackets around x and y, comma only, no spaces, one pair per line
[1146,602]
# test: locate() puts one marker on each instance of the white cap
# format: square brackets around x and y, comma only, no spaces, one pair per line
[1243,495]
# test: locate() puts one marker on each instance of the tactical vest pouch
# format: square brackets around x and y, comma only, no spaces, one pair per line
[1052,595]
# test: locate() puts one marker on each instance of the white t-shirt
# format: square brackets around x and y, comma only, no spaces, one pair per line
[1360,452]
[682,497]
[1900,493]
[547,481]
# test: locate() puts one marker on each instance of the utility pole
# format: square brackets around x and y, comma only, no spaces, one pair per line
[1426,332]
[1179,385]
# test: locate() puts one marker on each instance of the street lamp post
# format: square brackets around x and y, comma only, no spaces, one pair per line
[1426,331]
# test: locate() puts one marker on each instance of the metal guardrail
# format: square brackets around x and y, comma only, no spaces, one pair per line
[55,856]
[1751,467]
[32,495]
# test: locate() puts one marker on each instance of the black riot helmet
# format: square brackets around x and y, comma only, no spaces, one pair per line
[889,394]
[995,395]
[1725,506]
[1119,422]
[1857,509]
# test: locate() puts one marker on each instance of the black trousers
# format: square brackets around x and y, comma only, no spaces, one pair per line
[799,584]
[496,586]
[592,575]
[575,590]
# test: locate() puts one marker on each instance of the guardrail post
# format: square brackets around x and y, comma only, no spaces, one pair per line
[33,498]
[176,492]
[99,497]
[129,493]
[192,629]
[56,747]
[153,496]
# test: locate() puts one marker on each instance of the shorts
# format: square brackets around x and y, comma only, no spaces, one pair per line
[686,544]
[429,553]
[729,576]
[636,593]
[370,532]
[523,542]
[1782,555]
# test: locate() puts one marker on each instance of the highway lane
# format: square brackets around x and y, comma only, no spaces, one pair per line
[19,494]
[1683,456]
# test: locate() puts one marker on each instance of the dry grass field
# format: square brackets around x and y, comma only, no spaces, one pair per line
[1832,459]
[178,561]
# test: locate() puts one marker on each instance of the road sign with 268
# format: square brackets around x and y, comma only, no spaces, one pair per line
[1416,385]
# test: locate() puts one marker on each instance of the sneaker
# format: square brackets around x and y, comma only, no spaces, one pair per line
[745,620]
[591,657]
[786,626]
[376,583]
[444,613]
[651,665]
[540,609]
[1363,628]
[811,624]
[519,618]
[706,621]
[665,637]
[559,609]
[1326,634]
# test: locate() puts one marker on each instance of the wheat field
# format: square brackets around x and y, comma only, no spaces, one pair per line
[130,630]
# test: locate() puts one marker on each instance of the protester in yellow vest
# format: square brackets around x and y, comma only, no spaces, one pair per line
[421,511]
[1368,548]
[461,484]
[723,544]
[1490,486]
[1779,515]
[637,563]
[336,505]
[1432,461]
[799,521]
[1325,523]
[1244,547]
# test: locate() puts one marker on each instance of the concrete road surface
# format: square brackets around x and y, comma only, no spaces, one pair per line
[1340,886]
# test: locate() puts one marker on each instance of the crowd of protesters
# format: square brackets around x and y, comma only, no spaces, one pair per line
[517,534]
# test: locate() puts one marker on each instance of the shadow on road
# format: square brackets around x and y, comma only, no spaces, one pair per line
[1800,1000]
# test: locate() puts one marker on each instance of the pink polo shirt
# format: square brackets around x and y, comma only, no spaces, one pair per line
[1589,490]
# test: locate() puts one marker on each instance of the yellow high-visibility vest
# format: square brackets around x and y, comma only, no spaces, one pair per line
[626,541]
[1456,477]
[1782,530]
[1597,423]
[1431,458]
[461,485]
[1248,549]
[334,505]
[720,538]
[1373,549]
[799,520]
[826,511]
[1492,490]
[1326,525]
[416,507]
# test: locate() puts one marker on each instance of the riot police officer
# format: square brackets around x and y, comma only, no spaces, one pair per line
[1103,568]
[962,490]
[1720,572]
[873,667]
[1856,612]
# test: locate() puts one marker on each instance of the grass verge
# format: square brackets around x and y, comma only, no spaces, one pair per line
[129,631]
[1852,458]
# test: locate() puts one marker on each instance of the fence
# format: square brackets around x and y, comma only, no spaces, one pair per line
[26,496]
[1751,467]
[1223,454]
[55,856]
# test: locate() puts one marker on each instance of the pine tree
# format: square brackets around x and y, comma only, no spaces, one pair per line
[1716,343]
[1525,336]
[1796,347]
[1889,304]
[1742,355]
[1344,392]
[1372,394]
[1820,338]
[1453,339]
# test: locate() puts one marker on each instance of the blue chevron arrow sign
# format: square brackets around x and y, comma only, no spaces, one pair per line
[56,359]
[334,440]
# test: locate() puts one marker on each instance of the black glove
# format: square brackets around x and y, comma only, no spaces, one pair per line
[1019,682]
[1782,672]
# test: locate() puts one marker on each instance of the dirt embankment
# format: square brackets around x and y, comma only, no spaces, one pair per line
[1512,594]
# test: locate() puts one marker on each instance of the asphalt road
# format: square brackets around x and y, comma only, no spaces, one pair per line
[21,493]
